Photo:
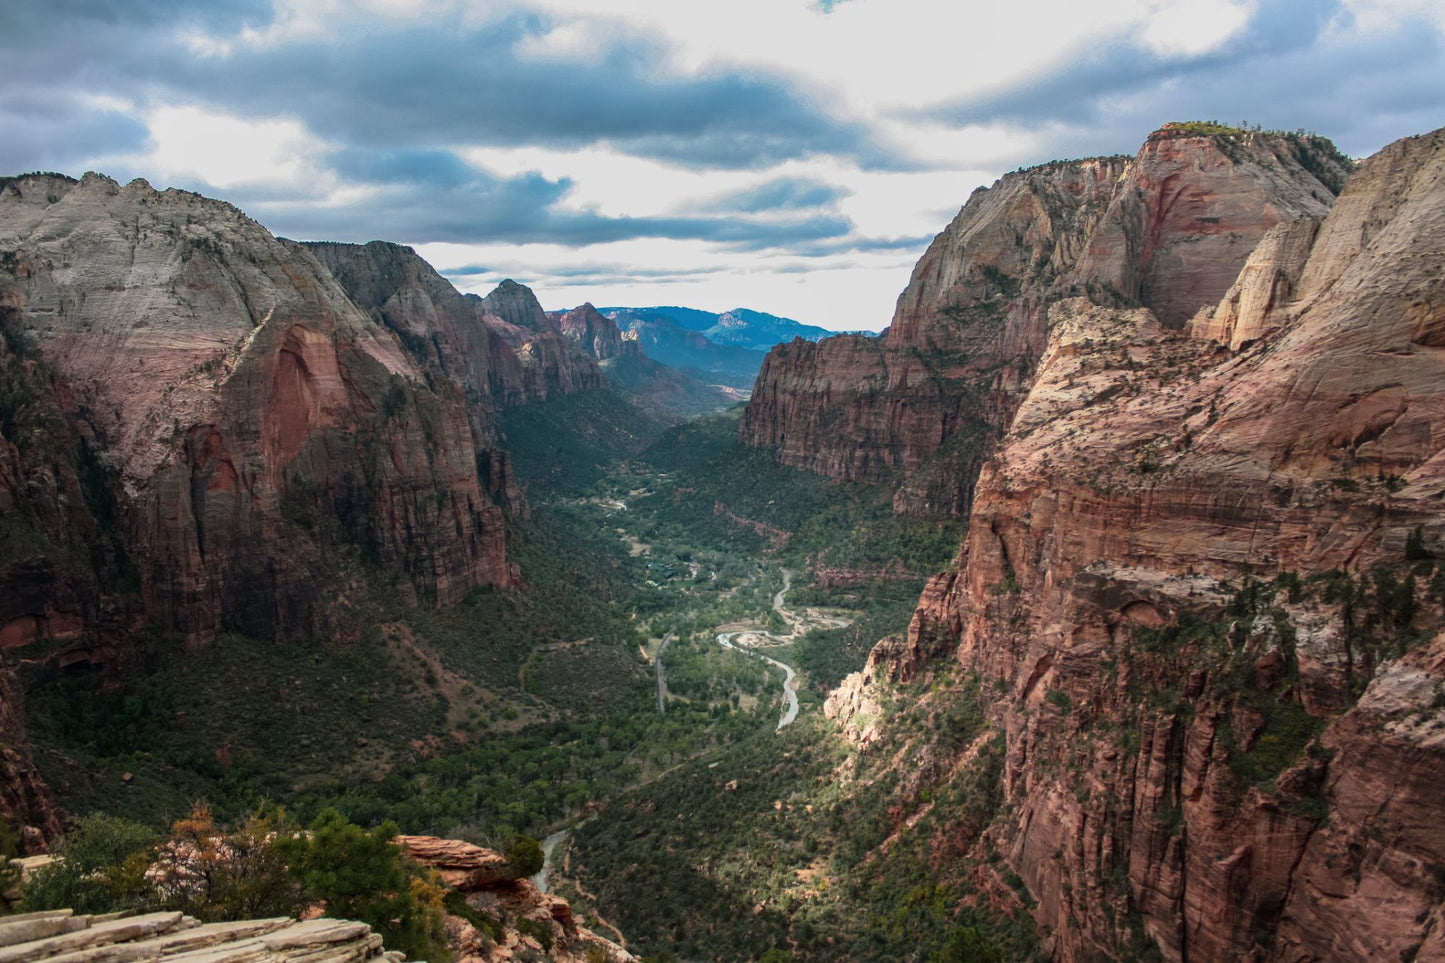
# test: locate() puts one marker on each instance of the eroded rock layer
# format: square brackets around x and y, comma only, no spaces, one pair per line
[511,919]
[1168,229]
[246,417]
[1202,589]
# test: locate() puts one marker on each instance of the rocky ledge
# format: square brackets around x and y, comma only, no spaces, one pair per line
[59,936]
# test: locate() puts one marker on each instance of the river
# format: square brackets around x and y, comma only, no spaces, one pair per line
[549,845]
[790,688]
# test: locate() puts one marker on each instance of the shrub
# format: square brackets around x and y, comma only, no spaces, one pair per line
[102,869]
[360,874]
[524,856]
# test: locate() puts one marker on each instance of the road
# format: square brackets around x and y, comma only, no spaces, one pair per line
[661,684]
[790,689]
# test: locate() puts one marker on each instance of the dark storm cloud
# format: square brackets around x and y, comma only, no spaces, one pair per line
[431,195]
[781,194]
[60,133]
[446,83]
[370,83]
[387,100]
[1287,69]
[61,56]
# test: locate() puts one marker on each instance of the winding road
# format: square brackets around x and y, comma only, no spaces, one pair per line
[790,690]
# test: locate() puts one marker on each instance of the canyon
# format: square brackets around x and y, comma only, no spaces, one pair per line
[1177,696]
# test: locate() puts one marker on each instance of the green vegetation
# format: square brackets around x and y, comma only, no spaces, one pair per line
[9,874]
[1203,128]
[360,875]
[102,869]
[569,442]
[524,855]
[265,867]
[763,845]
[521,711]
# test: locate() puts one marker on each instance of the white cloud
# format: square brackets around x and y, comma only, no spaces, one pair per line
[854,292]
[1188,28]
[194,143]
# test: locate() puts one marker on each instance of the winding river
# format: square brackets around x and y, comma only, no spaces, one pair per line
[794,621]
[790,690]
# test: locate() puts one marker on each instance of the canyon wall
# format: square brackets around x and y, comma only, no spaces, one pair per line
[1202,589]
[502,348]
[921,406]
[245,419]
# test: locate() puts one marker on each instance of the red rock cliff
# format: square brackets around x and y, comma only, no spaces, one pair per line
[1202,589]
[1169,229]
[597,336]
[251,417]
[502,348]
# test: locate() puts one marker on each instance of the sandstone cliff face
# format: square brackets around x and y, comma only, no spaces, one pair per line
[1201,588]
[502,348]
[243,403]
[598,337]
[24,799]
[1168,229]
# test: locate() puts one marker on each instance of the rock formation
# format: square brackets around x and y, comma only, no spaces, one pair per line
[514,911]
[24,799]
[62,936]
[235,400]
[649,384]
[1202,589]
[922,406]
[501,348]
[598,337]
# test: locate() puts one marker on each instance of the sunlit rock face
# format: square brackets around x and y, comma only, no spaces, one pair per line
[1264,782]
[1168,229]
[248,417]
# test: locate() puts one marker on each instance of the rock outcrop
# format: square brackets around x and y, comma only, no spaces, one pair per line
[503,349]
[651,385]
[61,935]
[510,915]
[1202,589]
[238,401]
[922,406]
[25,803]
[596,336]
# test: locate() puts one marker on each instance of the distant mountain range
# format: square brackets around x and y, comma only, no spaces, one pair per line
[727,347]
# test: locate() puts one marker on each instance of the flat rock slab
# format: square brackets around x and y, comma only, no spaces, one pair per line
[61,937]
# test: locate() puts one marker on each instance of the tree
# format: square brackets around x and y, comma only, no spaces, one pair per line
[102,869]
[9,875]
[237,875]
[524,856]
[361,875]
[967,945]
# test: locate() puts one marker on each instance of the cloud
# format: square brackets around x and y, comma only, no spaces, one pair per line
[432,196]
[1296,64]
[61,132]
[391,84]
[779,194]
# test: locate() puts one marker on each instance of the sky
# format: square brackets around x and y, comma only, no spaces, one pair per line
[790,156]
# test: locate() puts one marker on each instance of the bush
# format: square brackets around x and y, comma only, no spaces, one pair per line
[361,875]
[238,875]
[102,870]
[9,875]
[524,856]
